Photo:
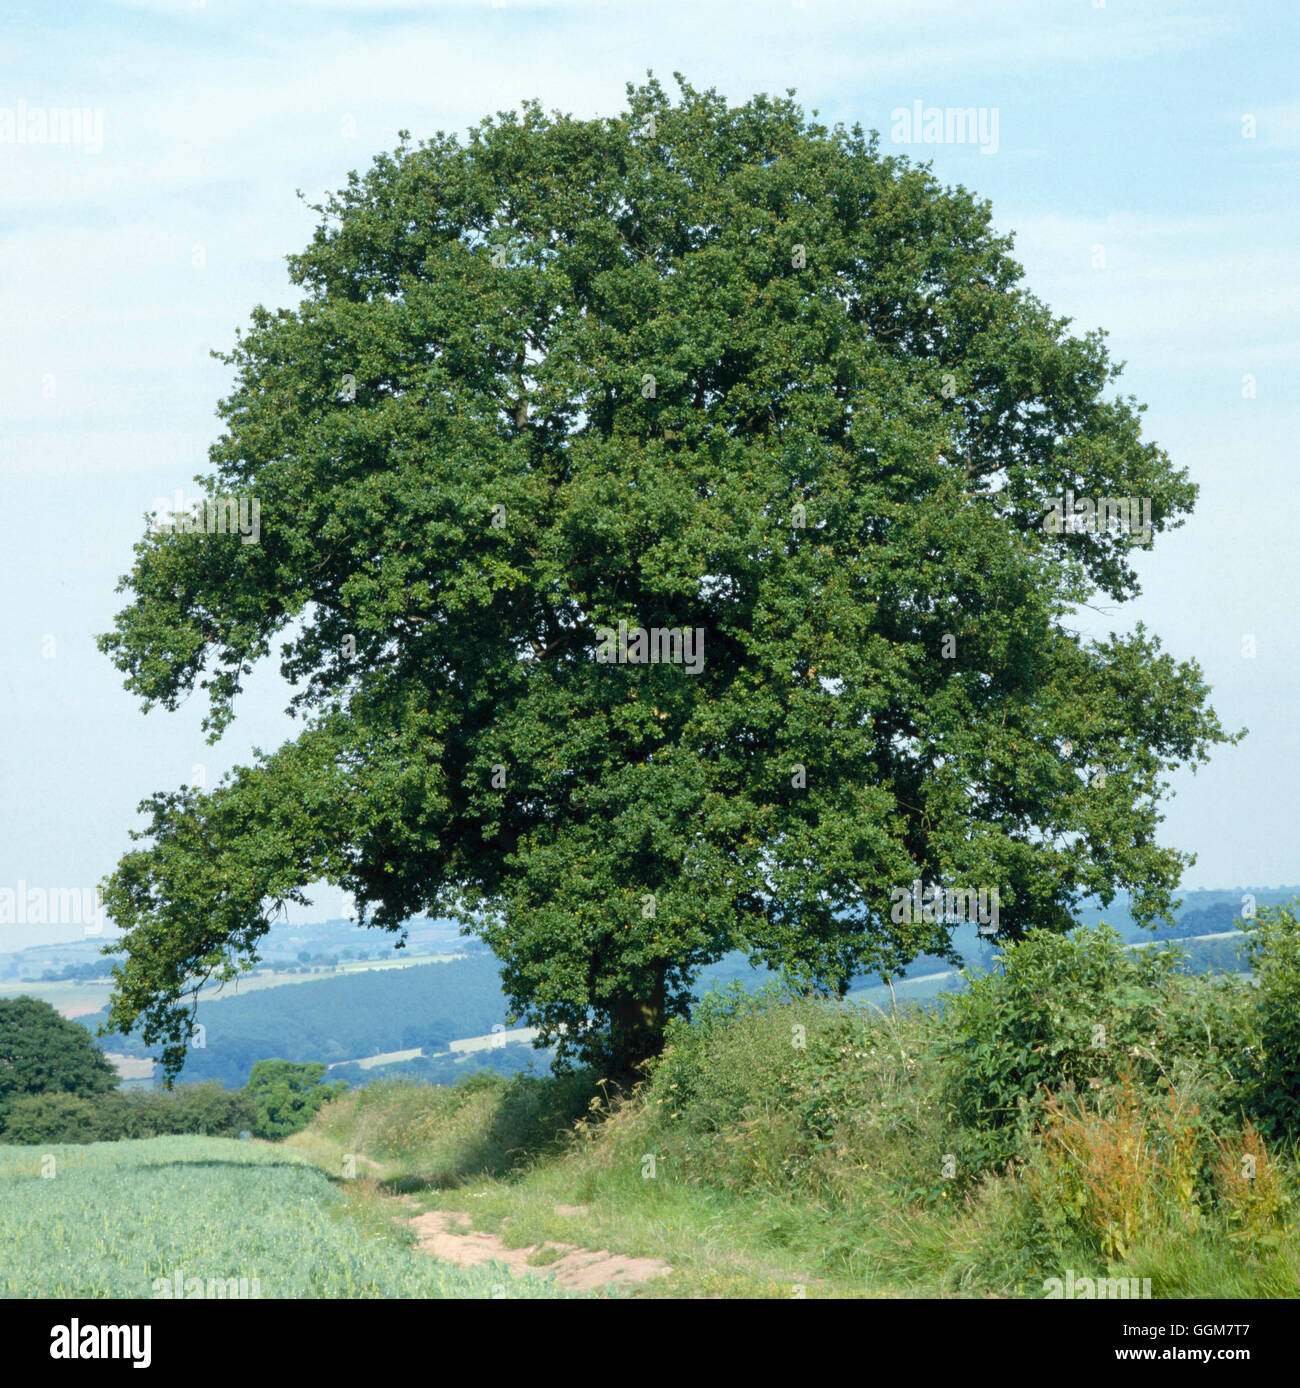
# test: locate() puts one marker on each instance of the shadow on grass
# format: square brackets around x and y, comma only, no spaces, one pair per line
[413,1185]
[534,1117]
[212,1162]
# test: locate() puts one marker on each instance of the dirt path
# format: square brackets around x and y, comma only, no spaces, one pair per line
[447,1234]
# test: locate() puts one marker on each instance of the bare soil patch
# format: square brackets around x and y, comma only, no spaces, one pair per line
[447,1234]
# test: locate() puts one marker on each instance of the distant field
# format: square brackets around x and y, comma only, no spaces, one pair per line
[922,988]
[82,999]
[370,1062]
[132,1069]
[466,1045]
[469,1044]
[71,999]
[114,1217]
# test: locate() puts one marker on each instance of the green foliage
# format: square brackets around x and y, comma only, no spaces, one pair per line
[700,1071]
[1071,1014]
[1273,955]
[286,1096]
[691,367]
[44,1053]
[780,1093]
[204,1109]
[53,1117]
[839,1163]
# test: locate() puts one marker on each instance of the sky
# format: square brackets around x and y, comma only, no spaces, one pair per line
[1145,155]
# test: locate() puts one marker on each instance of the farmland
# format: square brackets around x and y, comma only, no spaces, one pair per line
[110,1219]
[82,998]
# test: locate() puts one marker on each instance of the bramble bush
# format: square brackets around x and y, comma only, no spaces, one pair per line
[1073,1013]
[1273,1085]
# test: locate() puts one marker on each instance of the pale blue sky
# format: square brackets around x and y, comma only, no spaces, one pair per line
[1119,125]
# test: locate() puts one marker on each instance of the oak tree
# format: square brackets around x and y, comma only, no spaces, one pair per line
[562,396]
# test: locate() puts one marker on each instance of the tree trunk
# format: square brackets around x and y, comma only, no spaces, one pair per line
[636,1029]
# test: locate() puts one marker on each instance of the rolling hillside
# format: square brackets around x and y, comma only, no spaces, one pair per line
[342,1018]
[417,1011]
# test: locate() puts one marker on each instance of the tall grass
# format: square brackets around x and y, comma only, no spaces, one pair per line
[783,1145]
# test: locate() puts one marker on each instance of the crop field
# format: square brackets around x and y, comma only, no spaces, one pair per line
[110,1219]
[81,998]
[70,998]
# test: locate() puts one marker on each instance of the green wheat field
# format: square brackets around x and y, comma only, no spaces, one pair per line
[112,1218]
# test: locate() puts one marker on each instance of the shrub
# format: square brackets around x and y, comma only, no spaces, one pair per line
[1273,1086]
[35,1118]
[735,1052]
[1075,1012]
[201,1109]
[285,1096]
[868,1111]
[774,1092]
[205,1110]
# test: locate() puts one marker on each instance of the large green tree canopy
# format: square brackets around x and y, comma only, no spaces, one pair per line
[44,1053]
[701,367]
